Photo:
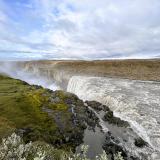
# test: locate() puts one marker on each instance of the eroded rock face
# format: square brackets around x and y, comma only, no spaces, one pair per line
[70,116]
[114,120]
[118,134]
[112,146]
[97,106]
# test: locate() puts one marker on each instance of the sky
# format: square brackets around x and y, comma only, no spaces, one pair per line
[79,29]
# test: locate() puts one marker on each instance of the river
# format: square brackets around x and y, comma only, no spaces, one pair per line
[137,102]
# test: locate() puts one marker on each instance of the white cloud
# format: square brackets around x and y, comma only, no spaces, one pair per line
[90,28]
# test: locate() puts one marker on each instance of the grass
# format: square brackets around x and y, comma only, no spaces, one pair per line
[21,108]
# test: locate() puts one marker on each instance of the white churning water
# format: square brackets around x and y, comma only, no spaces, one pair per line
[137,102]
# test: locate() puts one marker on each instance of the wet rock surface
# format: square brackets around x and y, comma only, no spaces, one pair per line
[135,101]
[119,136]
[73,121]
[139,142]
[112,145]
[62,119]
[97,106]
[114,120]
[79,117]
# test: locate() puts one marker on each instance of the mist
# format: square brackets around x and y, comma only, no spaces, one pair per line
[14,70]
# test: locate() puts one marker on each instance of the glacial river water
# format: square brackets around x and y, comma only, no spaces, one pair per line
[137,102]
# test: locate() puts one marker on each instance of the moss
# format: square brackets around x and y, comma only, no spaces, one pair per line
[61,95]
[24,109]
[59,106]
[65,96]
[21,108]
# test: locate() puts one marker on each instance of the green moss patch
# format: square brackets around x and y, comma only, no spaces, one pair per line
[23,108]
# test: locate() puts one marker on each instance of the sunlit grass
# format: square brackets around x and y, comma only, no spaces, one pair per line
[21,107]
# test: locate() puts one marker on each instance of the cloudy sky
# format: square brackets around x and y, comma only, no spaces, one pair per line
[81,29]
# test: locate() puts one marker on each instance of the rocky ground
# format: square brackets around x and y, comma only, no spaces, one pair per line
[55,117]
[41,114]
[113,142]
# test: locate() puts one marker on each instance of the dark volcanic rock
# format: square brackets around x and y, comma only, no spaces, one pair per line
[97,106]
[73,121]
[139,142]
[112,146]
[109,117]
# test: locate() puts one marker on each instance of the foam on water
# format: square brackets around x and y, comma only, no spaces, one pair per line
[138,102]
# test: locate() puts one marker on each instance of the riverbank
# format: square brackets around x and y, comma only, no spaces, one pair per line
[58,118]
[128,99]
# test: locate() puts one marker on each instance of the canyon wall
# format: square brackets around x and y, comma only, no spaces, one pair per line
[62,71]
[130,88]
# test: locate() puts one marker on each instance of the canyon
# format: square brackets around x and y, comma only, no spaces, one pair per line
[130,88]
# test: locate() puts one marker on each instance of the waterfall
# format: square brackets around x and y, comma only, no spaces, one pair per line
[31,75]
[137,102]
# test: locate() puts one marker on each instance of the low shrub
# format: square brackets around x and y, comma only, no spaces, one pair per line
[13,148]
